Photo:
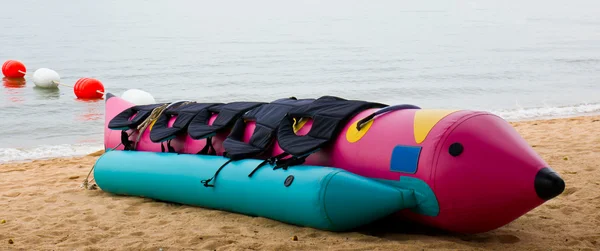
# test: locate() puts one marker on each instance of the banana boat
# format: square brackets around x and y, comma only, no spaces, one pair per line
[458,170]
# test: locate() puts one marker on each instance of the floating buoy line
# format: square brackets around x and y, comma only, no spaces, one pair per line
[84,88]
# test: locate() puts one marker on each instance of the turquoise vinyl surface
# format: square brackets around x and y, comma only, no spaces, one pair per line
[319,197]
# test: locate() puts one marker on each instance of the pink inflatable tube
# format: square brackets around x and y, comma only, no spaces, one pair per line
[483,174]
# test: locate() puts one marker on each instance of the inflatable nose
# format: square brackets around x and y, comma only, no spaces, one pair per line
[548,184]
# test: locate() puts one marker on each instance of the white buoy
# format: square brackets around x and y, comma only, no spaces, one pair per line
[138,97]
[46,78]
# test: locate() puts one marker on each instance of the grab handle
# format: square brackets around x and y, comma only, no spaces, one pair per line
[363,121]
[177,102]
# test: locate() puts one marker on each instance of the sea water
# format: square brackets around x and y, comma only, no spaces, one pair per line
[518,59]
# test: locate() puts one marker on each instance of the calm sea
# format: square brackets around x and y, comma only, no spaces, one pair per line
[519,59]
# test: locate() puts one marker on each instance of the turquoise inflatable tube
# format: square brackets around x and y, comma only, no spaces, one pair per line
[314,196]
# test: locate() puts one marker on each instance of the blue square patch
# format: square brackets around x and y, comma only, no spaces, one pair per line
[405,159]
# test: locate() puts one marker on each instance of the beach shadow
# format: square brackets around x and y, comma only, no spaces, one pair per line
[394,229]
[389,228]
[143,199]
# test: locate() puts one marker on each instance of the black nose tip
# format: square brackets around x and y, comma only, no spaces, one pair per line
[548,184]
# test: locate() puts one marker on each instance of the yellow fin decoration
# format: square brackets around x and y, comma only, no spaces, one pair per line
[353,135]
[425,120]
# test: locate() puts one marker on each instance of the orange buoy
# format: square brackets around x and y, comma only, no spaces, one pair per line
[88,88]
[13,69]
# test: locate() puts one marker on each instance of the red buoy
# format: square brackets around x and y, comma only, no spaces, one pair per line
[13,69]
[88,88]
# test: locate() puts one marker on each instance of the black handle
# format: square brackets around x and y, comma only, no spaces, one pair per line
[361,122]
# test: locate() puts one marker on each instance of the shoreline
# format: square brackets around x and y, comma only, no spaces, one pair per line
[544,118]
[45,208]
[538,119]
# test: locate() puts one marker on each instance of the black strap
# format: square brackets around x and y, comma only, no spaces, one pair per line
[270,161]
[329,114]
[123,120]
[259,166]
[363,121]
[292,161]
[228,114]
[127,144]
[267,118]
[214,177]
[208,148]
[184,114]
[169,147]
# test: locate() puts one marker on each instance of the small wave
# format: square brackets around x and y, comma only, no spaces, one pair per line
[547,112]
[46,151]
[579,60]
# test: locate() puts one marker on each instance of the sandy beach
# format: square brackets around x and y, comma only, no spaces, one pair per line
[43,207]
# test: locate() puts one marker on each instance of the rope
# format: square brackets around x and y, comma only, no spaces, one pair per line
[156,112]
[87,181]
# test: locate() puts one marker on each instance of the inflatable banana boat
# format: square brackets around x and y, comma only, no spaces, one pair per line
[328,163]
